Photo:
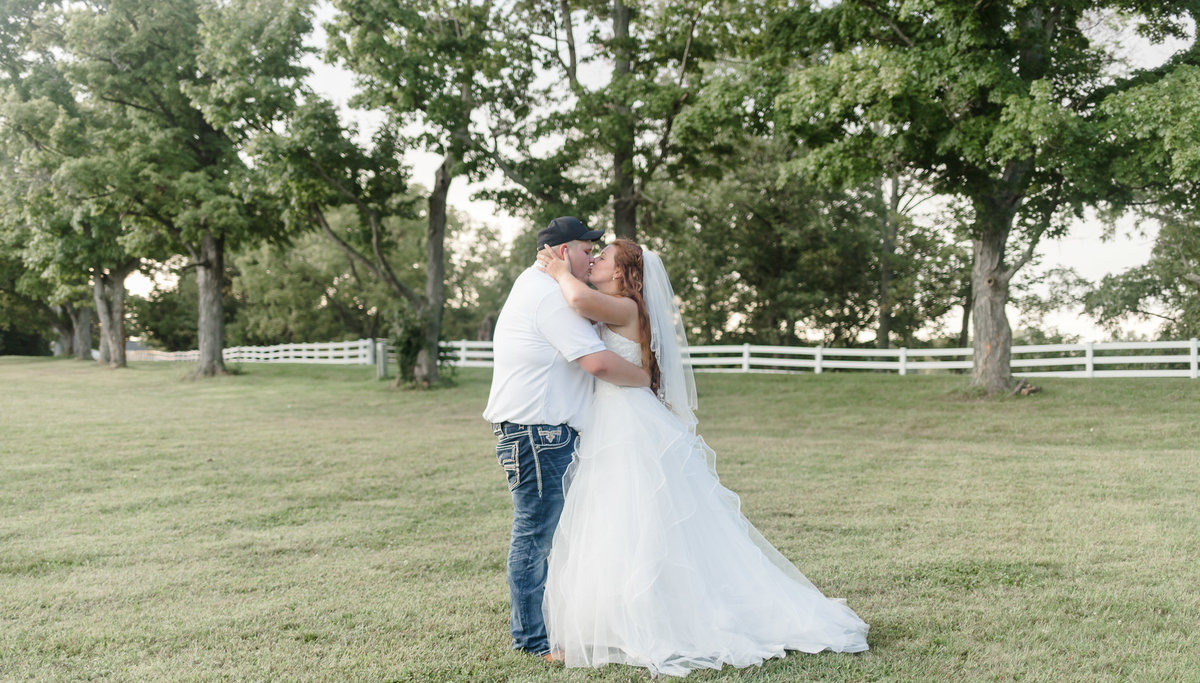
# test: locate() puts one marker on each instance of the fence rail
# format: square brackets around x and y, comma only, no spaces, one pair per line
[1090,359]
[358,352]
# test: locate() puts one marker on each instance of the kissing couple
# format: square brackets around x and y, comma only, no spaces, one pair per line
[625,546]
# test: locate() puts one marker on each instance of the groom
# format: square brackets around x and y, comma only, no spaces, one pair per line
[545,356]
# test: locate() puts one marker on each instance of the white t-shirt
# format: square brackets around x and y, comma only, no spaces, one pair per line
[537,338]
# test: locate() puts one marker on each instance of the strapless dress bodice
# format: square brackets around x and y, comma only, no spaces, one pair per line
[623,347]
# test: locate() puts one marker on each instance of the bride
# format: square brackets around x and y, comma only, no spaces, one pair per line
[653,564]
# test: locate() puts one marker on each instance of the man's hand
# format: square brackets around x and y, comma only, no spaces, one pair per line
[553,263]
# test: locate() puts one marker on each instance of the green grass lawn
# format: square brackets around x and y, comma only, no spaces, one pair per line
[307,523]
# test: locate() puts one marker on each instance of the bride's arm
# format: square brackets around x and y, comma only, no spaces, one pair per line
[591,304]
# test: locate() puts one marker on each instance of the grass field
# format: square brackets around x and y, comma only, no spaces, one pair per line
[307,523]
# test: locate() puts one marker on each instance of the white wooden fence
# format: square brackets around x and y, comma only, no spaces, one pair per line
[1091,359]
[358,352]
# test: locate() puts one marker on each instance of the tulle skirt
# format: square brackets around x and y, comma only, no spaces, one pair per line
[654,565]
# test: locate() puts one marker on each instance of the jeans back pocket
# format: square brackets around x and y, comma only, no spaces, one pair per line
[508,454]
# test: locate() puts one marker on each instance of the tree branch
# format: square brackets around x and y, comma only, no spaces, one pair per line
[493,155]
[687,49]
[664,141]
[890,22]
[676,107]
[1152,314]
[1036,239]
[389,278]
[569,31]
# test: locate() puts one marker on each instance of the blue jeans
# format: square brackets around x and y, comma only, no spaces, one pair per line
[534,457]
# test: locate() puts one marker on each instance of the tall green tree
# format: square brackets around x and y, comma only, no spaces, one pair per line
[461,73]
[994,103]
[832,262]
[619,75]
[49,132]
[354,194]
[1156,124]
[172,171]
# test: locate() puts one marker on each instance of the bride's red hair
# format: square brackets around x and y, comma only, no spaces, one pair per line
[627,255]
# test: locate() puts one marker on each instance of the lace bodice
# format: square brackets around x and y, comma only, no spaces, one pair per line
[625,348]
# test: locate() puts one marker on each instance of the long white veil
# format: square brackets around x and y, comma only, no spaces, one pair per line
[677,385]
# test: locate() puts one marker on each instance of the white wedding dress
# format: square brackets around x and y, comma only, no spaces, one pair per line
[653,563]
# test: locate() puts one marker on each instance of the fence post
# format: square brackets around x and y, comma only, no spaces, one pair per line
[381,359]
[903,360]
[1195,358]
[745,358]
[462,352]
[1091,352]
[368,345]
[817,366]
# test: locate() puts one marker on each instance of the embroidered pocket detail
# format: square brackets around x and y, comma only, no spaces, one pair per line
[508,455]
[550,435]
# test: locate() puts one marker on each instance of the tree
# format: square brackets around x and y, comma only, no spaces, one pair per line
[757,259]
[1155,124]
[45,129]
[316,166]
[313,290]
[1166,288]
[615,131]
[771,255]
[440,67]
[994,103]
[171,171]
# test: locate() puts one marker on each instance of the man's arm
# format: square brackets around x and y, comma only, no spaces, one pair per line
[614,369]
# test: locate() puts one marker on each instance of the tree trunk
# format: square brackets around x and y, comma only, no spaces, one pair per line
[426,371]
[61,320]
[210,332]
[104,354]
[81,319]
[108,291]
[964,332]
[890,230]
[625,199]
[993,336]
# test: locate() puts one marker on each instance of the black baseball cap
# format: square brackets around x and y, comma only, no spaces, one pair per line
[566,229]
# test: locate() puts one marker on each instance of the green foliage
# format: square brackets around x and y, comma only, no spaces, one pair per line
[128,116]
[49,133]
[756,259]
[310,290]
[1156,123]
[1165,289]
[24,320]
[1000,106]
[612,135]
[167,317]
[482,273]
[438,65]
[981,100]
[17,343]
[314,164]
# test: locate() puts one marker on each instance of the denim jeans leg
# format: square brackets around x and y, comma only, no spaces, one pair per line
[543,454]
